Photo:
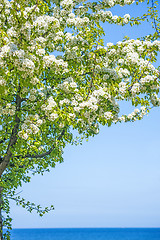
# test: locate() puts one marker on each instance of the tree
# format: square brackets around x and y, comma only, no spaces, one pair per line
[59,82]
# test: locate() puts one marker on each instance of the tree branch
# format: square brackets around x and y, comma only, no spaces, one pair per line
[3,140]
[13,138]
[42,154]
[154,21]
[29,206]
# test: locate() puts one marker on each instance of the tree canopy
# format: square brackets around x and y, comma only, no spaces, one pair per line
[59,82]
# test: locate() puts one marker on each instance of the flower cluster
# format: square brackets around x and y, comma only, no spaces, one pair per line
[30,126]
[51,60]
[9,110]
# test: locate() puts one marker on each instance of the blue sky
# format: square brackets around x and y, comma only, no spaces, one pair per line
[111,181]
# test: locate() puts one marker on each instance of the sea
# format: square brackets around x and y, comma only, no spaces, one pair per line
[86,234]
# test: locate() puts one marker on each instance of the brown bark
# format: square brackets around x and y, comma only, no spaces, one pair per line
[13,139]
[1,221]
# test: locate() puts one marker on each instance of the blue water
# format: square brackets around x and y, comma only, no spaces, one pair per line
[86,234]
